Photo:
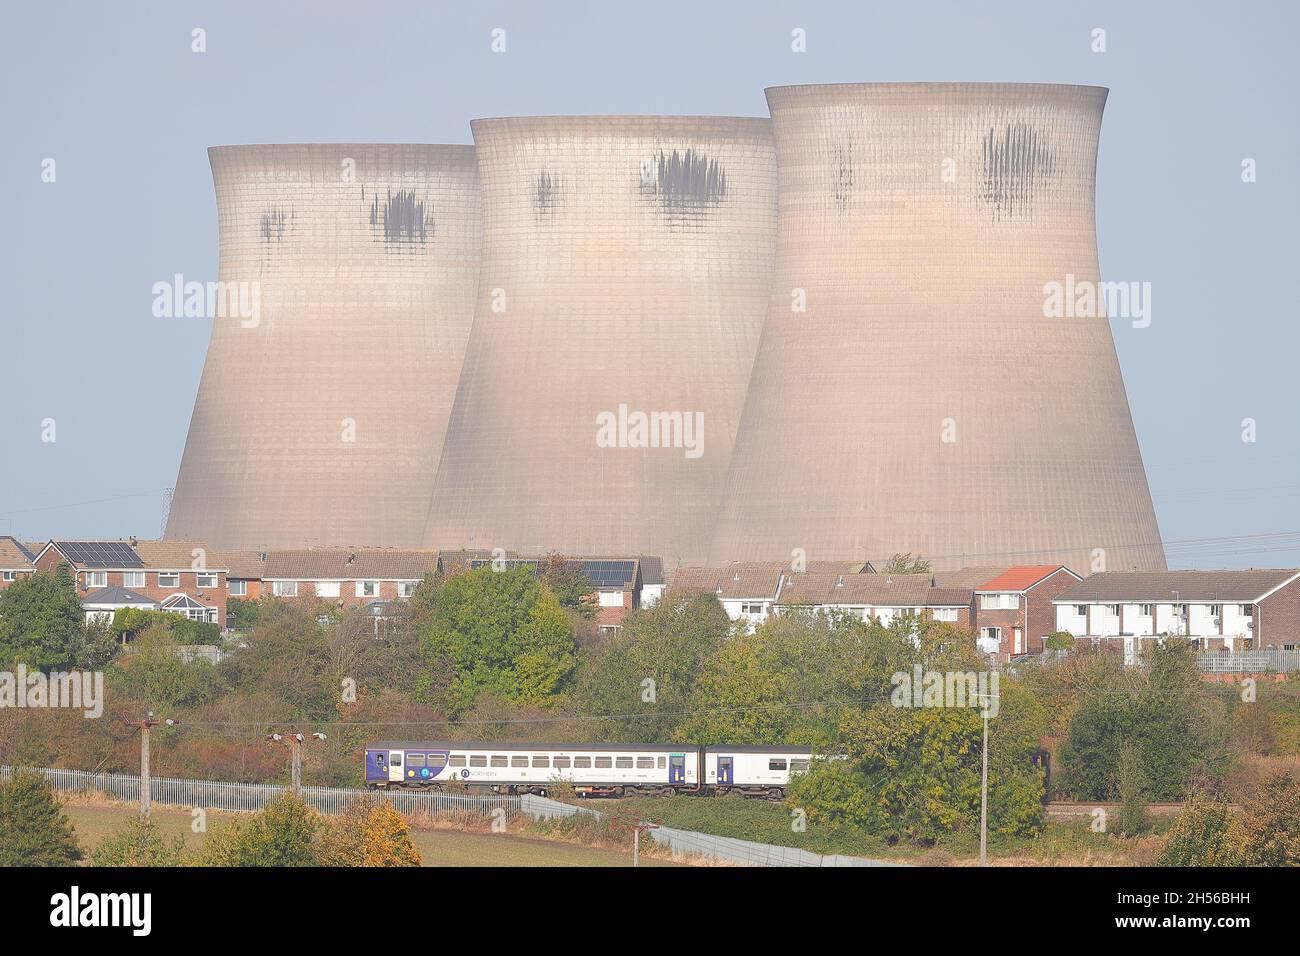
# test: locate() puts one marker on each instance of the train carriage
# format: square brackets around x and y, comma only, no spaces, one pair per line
[592,769]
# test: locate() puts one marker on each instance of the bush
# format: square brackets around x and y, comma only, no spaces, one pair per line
[286,832]
[1198,836]
[139,843]
[1266,832]
[34,830]
[370,833]
[129,621]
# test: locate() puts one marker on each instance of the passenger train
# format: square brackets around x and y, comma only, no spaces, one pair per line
[593,770]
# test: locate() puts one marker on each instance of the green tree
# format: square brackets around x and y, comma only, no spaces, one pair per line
[34,830]
[41,620]
[1059,641]
[905,563]
[139,843]
[1131,786]
[498,632]
[286,832]
[154,674]
[286,660]
[642,678]
[571,587]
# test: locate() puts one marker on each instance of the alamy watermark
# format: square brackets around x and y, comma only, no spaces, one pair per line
[636,429]
[1085,299]
[179,299]
[82,690]
[922,688]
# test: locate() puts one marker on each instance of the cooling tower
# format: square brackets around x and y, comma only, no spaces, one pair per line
[625,276]
[319,421]
[910,391]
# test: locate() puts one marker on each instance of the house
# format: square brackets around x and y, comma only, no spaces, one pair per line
[158,571]
[345,577]
[879,597]
[746,591]
[1014,611]
[751,591]
[104,603]
[15,561]
[1231,610]
[244,573]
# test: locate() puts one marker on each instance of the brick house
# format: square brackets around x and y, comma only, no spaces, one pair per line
[344,577]
[1229,610]
[1014,611]
[173,574]
[15,561]
[244,573]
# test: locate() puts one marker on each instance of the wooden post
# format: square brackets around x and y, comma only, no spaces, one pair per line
[984,791]
[143,726]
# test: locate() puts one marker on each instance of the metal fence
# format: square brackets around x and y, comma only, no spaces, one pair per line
[248,797]
[686,842]
[1269,660]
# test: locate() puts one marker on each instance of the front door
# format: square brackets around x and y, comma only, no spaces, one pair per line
[395,765]
[725,774]
[677,768]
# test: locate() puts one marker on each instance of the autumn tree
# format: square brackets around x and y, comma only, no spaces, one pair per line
[369,833]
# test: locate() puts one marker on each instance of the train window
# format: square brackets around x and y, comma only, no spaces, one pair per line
[437,760]
[776,763]
[604,763]
[456,760]
[645,763]
[561,763]
[581,763]
[519,761]
[415,760]
[477,760]
[397,760]
[623,763]
[500,761]
[541,761]
[663,762]
[798,766]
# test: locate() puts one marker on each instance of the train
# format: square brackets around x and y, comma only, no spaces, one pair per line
[592,770]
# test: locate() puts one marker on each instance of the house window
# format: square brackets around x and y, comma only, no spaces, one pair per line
[751,608]
[1214,609]
[1244,610]
[1144,610]
[367,589]
[993,634]
[9,575]
[132,579]
[1112,610]
[206,580]
[945,614]
[169,579]
[999,602]
[238,588]
[327,589]
[1081,610]
[96,579]
[406,588]
[284,588]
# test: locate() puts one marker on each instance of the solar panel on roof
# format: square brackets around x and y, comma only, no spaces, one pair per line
[101,554]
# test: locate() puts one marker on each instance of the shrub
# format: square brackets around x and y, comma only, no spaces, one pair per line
[370,833]
[1198,836]
[34,830]
[139,843]
[286,832]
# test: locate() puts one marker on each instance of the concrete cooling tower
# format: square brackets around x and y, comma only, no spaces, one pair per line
[320,419]
[911,392]
[626,269]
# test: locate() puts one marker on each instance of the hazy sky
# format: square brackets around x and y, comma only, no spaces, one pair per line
[113,93]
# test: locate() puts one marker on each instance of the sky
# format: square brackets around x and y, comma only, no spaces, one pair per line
[117,97]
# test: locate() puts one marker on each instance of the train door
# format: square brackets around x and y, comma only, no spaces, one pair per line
[726,771]
[395,765]
[677,768]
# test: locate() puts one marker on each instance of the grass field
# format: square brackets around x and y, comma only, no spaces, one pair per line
[438,847]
